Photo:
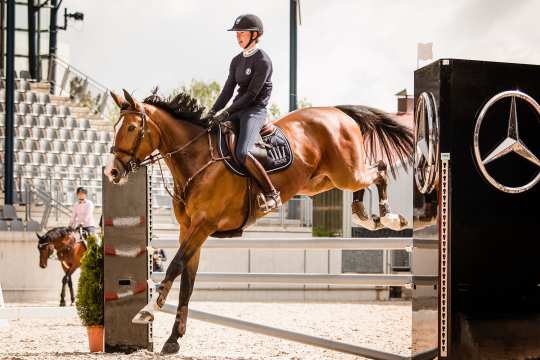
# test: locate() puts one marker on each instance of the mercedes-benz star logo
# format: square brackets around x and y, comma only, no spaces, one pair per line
[512,142]
[426,156]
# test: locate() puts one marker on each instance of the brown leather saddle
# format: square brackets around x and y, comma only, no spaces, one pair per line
[272,149]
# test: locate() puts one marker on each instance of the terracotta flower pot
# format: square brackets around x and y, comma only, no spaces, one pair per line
[95,338]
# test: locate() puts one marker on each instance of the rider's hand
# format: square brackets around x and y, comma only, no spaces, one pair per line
[224,115]
[208,119]
[213,119]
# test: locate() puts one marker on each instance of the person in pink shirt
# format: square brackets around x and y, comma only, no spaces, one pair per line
[83,212]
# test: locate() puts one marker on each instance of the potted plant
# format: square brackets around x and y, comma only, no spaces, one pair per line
[90,294]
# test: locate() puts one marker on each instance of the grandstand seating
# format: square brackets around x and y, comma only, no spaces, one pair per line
[60,145]
[56,146]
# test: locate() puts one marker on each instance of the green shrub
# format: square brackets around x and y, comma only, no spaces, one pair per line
[90,289]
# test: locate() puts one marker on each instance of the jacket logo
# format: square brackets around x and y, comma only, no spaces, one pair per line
[248,71]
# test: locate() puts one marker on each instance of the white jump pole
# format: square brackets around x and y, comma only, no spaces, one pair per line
[169,242]
[300,278]
[321,279]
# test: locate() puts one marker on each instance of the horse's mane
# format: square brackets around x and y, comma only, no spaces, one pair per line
[181,106]
[56,233]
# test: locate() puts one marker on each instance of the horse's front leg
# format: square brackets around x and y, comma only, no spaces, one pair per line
[63,292]
[171,346]
[194,237]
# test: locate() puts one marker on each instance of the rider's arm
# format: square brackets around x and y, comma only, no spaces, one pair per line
[227,91]
[88,217]
[262,70]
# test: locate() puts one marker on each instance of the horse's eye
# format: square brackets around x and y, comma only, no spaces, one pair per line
[131,127]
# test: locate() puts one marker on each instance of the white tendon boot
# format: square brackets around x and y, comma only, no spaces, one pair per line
[394,221]
[146,314]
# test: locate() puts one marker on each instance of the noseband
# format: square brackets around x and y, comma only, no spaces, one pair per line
[133,163]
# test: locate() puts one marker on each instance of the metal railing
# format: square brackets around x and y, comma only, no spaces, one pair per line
[386,278]
[49,202]
[67,80]
[49,194]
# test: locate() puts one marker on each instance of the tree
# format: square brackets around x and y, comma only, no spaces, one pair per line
[112,113]
[304,103]
[205,93]
[275,112]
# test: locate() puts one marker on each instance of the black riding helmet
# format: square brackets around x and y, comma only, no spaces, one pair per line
[248,22]
[82,190]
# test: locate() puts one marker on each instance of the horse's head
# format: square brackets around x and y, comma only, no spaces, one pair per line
[45,250]
[136,137]
[55,239]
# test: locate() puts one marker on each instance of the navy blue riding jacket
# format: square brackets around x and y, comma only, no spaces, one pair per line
[253,75]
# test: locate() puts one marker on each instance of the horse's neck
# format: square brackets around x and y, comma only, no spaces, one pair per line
[176,134]
[63,249]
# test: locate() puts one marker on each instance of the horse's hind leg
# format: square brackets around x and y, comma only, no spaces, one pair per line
[359,214]
[376,175]
[71,292]
[390,220]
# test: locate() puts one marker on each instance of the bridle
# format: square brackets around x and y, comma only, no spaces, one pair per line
[133,164]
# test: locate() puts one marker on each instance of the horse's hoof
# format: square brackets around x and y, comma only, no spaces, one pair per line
[393,221]
[143,317]
[170,348]
[62,303]
[371,224]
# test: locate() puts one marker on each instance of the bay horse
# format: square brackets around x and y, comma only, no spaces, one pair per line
[345,147]
[69,252]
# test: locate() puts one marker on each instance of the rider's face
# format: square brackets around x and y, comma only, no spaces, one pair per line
[243,38]
[81,196]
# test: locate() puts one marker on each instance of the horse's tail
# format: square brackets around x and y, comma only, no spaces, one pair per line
[383,136]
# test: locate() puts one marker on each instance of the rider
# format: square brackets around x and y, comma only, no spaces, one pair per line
[83,212]
[251,70]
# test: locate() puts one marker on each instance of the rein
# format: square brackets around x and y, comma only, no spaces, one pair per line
[133,164]
[183,192]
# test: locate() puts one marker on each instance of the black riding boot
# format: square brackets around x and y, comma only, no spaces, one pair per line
[271,199]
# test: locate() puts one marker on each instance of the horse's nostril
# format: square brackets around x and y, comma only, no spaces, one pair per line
[114,173]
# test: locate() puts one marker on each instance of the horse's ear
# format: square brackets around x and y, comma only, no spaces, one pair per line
[119,100]
[39,237]
[130,99]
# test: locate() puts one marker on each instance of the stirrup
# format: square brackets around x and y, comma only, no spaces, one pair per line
[268,202]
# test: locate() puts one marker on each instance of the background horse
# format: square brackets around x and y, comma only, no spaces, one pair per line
[345,147]
[69,251]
